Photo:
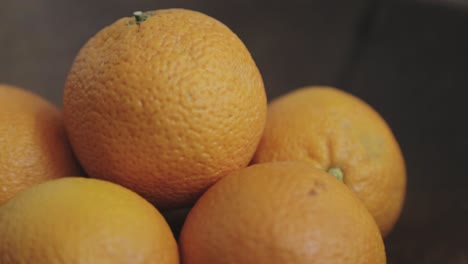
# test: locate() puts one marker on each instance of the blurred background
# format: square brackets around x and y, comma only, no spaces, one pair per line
[408,59]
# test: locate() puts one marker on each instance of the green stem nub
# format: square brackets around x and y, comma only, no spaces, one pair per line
[140,16]
[337,173]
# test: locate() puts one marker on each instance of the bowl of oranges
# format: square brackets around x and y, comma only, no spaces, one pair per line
[165,123]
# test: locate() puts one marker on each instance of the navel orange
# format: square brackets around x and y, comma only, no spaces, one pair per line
[164,103]
[284,212]
[33,144]
[82,220]
[341,134]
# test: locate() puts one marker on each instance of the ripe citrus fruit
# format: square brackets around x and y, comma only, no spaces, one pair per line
[33,144]
[343,135]
[82,220]
[164,103]
[284,212]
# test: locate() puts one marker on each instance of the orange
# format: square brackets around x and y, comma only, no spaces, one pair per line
[33,144]
[343,135]
[165,103]
[284,212]
[82,220]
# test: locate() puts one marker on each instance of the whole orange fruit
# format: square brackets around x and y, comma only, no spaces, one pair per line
[164,103]
[82,220]
[343,135]
[284,212]
[33,144]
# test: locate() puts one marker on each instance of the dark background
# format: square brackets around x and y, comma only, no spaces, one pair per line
[408,59]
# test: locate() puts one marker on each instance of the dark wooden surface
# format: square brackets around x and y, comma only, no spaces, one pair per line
[408,59]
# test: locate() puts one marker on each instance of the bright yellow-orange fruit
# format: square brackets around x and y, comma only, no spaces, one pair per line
[343,135]
[164,103]
[284,212]
[81,220]
[33,144]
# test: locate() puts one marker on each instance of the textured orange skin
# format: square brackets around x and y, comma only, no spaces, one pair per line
[284,212]
[332,128]
[82,220]
[166,107]
[33,143]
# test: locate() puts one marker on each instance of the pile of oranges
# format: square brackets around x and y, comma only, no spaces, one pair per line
[167,110]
